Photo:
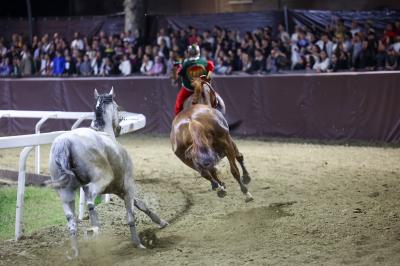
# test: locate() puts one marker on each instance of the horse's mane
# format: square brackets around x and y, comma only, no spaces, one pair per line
[102,99]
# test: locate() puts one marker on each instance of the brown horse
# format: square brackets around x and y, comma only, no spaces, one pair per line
[200,138]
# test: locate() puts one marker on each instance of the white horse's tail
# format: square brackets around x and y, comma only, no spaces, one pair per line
[60,164]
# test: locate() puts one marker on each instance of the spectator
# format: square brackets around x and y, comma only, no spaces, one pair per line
[147,64]
[357,47]
[107,67]
[5,68]
[3,49]
[300,64]
[366,58]
[26,64]
[259,62]
[85,68]
[158,67]
[325,44]
[163,37]
[16,69]
[396,45]
[58,64]
[96,62]
[246,62]
[125,66]
[391,59]
[323,62]
[70,66]
[355,29]
[381,56]
[77,42]
[223,66]
[283,36]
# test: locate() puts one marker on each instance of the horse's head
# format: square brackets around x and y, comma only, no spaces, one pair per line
[205,94]
[106,111]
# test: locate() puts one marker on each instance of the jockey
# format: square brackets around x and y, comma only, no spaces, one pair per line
[193,67]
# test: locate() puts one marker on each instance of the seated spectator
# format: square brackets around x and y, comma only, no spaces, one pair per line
[58,64]
[85,67]
[276,61]
[334,65]
[16,69]
[158,67]
[5,68]
[3,49]
[147,64]
[283,36]
[136,61]
[258,62]
[381,56]
[300,64]
[391,59]
[355,29]
[26,64]
[106,67]
[366,58]
[162,37]
[223,66]
[325,44]
[323,63]
[95,62]
[125,66]
[246,62]
[70,66]
[302,41]
[357,47]
[396,45]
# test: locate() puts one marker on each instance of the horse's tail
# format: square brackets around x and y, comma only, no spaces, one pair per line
[60,167]
[200,151]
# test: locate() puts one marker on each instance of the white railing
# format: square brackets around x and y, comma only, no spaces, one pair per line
[129,122]
[44,116]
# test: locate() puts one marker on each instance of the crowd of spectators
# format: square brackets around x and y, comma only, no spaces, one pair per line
[360,47]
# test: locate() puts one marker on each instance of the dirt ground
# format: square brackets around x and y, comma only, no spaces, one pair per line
[314,204]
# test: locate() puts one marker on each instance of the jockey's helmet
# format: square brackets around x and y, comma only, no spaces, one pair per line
[194,51]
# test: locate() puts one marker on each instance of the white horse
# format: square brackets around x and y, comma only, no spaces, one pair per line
[91,158]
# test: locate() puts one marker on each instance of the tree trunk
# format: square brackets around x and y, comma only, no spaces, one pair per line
[134,15]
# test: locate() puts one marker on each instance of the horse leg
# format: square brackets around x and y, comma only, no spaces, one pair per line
[90,195]
[231,155]
[211,175]
[68,203]
[239,157]
[153,216]
[129,203]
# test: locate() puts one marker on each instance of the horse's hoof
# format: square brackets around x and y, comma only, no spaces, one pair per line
[91,232]
[163,224]
[214,185]
[246,179]
[75,254]
[249,197]
[221,193]
[140,246]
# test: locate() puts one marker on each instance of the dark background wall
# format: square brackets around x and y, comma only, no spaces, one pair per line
[220,6]
[17,8]
[337,106]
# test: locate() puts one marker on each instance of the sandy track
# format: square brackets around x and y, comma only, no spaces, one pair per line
[314,204]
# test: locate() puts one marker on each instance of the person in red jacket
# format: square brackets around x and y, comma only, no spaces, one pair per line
[192,67]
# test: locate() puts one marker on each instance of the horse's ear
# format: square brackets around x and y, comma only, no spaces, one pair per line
[96,94]
[112,91]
